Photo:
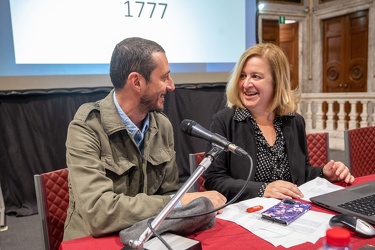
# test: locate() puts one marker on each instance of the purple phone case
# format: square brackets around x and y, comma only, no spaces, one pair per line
[286,211]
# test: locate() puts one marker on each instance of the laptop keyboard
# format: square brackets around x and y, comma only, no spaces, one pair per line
[365,205]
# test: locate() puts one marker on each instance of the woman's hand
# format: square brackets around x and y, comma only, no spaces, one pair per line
[337,171]
[282,189]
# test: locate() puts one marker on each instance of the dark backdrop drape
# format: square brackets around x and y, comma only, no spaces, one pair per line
[33,127]
[198,103]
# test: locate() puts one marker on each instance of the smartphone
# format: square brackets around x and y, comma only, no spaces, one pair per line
[286,211]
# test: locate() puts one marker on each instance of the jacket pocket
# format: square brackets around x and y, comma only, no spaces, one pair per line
[122,173]
[156,169]
[119,167]
[160,156]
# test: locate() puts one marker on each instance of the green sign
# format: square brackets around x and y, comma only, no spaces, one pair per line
[281,19]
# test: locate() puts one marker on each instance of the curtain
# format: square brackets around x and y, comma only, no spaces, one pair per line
[33,126]
[198,103]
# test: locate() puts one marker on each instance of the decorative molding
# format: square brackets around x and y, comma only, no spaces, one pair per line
[339,8]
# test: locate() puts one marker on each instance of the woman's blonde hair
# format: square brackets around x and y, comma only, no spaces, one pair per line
[285,99]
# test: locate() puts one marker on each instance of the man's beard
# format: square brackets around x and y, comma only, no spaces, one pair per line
[148,104]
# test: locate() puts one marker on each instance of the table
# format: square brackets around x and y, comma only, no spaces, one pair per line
[224,235]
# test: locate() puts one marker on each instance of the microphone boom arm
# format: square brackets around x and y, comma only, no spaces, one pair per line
[203,165]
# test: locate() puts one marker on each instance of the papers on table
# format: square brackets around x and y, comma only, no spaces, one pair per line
[308,228]
[317,187]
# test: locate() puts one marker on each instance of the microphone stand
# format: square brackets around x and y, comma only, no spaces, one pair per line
[203,165]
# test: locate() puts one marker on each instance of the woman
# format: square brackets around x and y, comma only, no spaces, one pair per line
[261,119]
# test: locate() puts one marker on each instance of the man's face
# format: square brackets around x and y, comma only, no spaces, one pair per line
[158,86]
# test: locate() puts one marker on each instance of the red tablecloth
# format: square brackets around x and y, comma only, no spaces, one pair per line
[224,235]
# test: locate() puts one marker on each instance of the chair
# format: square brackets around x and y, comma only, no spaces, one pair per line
[360,150]
[52,197]
[194,160]
[318,148]
[3,226]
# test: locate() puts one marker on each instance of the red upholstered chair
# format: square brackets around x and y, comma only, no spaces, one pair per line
[53,200]
[360,150]
[318,148]
[194,160]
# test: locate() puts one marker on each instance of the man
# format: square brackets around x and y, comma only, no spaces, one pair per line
[120,150]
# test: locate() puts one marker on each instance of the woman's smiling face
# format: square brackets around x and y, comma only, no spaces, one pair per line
[256,85]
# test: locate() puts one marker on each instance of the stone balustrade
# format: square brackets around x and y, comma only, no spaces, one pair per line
[336,112]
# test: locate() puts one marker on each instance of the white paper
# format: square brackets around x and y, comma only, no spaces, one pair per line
[308,228]
[317,186]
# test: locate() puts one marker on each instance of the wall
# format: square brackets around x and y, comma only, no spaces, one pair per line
[309,50]
[335,9]
[310,39]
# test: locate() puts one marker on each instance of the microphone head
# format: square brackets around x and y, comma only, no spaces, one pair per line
[187,126]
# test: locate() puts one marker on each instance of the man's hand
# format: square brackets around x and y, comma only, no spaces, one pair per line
[215,197]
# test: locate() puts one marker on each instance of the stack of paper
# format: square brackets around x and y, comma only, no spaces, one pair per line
[308,228]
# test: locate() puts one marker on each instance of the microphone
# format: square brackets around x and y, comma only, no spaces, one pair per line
[192,128]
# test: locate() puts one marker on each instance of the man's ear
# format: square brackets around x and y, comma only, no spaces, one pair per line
[134,79]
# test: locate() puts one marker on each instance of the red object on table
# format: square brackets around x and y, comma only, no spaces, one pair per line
[254,208]
[224,235]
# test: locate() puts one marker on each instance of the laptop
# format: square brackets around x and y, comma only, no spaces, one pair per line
[358,201]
